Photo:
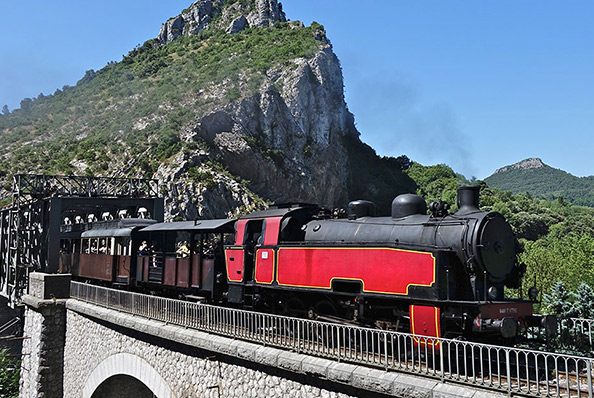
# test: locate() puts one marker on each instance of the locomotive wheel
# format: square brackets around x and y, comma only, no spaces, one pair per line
[323,334]
[321,309]
[294,307]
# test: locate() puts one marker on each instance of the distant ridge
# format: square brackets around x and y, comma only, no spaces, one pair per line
[530,163]
[542,181]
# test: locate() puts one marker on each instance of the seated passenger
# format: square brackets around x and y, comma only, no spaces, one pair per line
[103,249]
[143,249]
[183,250]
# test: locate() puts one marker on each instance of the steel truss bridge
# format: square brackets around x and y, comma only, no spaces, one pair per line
[30,224]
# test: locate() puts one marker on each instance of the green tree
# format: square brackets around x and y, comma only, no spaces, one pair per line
[558,301]
[584,301]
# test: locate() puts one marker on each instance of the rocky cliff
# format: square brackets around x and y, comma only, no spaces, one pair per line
[530,163]
[205,14]
[231,107]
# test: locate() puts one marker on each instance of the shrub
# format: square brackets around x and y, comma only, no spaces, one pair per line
[10,370]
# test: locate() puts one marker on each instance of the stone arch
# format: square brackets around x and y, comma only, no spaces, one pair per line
[130,365]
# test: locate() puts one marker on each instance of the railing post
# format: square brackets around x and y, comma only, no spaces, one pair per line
[508,370]
[338,345]
[589,370]
[441,364]
[298,340]
[385,349]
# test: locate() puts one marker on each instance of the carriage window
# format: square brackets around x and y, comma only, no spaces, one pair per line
[121,246]
[213,245]
[66,246]
[182,244]
[94,246]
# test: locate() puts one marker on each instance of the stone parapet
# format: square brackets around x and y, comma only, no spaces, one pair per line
[49,286]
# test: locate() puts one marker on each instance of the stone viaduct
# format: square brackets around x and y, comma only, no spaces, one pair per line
[74,349]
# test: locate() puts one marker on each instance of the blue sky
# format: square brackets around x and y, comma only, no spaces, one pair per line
[476,85]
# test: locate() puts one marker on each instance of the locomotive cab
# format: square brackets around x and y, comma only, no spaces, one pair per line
[251,261]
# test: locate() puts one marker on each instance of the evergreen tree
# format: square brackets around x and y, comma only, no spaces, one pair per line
[558,302]
[5,110]
[584,301]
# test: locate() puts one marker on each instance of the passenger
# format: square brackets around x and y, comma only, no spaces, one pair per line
[154,250]
[103,248]
[143,249]
[183,251]
[94,246]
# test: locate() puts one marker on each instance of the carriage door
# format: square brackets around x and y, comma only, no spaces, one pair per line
[254,237]
[234,254]
[266,251]
[240,257]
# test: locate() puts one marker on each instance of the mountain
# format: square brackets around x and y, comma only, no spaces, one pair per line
[543,181]
[231,107]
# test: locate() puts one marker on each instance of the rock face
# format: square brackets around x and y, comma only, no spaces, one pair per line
[287,140]
[292,140]
[531,163]
[204,13]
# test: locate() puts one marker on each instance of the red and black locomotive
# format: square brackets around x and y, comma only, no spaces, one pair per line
[434,274]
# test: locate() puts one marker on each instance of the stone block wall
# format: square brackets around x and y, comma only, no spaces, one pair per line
[169,369]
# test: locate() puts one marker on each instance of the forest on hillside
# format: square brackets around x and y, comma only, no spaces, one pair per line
[151,86]
[557,238]
[546,183]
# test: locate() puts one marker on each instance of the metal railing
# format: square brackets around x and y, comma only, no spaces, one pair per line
[582,327]
[511,370]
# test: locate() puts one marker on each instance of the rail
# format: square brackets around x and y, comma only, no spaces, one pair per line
[510,370]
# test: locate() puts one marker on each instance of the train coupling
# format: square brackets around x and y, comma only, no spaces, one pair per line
[507,327]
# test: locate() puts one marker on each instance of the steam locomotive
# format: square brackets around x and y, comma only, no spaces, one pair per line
[434,274]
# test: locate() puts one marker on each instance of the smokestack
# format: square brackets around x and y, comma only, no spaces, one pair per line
[468,200]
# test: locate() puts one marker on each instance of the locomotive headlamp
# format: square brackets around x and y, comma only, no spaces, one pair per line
[533,293]
[493,292]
